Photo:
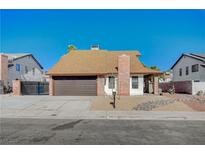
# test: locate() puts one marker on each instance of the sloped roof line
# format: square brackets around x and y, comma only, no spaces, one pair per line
[199,55]
[16,56]
[191,55]
[96,61]
[196,57]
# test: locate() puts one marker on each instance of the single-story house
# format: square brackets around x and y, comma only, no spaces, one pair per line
[100,72]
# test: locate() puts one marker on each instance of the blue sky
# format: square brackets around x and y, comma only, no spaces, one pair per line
[160,35]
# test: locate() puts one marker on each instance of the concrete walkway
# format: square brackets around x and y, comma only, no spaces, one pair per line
[46,107]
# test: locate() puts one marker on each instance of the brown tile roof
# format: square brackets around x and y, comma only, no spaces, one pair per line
[93,62]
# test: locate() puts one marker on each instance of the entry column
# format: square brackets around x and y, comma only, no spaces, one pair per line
[156,85]
[51,86]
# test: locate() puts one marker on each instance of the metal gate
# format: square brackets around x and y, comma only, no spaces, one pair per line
[1,87]
[34,88]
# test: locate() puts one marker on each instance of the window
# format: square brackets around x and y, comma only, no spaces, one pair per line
[134,82]
[195,68]
[18,67]
[187,70]
[180,72]
[33,70]
[111,82]
[26,69]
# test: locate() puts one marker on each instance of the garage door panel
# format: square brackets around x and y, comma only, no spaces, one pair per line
[75,86]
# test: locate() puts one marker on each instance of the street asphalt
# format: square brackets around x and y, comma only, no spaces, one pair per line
[101,132]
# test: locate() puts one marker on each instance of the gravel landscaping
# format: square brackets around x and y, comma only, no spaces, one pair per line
[197,103]
[150,105]
[140,103]
[187,98]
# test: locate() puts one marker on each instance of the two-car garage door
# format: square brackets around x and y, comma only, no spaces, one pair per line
[75,86]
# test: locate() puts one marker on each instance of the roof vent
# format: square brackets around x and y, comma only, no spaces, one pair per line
[95,47]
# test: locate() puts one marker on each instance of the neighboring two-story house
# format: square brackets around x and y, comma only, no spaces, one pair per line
[189,67]
[189,73]
[23,66]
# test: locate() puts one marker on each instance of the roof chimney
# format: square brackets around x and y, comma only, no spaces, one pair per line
[95,47]
[124,74]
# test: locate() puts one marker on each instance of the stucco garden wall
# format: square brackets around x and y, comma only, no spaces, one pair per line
[180,86]
[189,87]
[198,86]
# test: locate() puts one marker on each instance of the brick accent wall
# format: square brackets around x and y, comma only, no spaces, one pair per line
[51,86]
[100,86]
[156,85]
[4,69]
[16,87]
[124,75]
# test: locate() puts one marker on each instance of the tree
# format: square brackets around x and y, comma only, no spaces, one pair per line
[154,68]
[71,47]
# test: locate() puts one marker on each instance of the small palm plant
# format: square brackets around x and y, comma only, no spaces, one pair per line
[71,47]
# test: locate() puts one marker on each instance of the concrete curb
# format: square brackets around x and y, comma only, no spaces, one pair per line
[122,115]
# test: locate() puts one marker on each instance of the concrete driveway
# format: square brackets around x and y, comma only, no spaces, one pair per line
[79,107]
[32,106]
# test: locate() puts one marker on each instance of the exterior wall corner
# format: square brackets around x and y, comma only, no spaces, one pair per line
[4,69]
[156,85]
[51,86]
[100,85]
[16,87]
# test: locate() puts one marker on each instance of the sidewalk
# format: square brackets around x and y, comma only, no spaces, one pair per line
[114,115]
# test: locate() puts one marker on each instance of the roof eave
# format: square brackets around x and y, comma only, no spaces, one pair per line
[98,73]
[74,74]
[188,55]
